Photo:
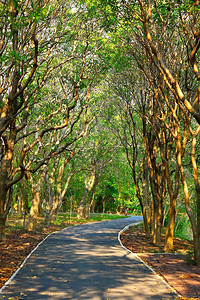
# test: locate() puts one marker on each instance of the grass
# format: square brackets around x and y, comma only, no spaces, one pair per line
[63,220]
[67,219]
[104,217]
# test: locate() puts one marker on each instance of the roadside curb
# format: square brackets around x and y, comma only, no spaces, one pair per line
[136,255]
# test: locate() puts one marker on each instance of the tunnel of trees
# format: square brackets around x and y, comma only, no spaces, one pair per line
[100,111]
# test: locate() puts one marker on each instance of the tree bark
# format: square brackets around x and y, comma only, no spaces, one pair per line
[6,178]
[197,188]
[84,209]
[81,212]
[172,210]
[3,197]
[157,187]
[48,196]
[146,199]
[195,222]
[35,206]
[144,207]
[58,199]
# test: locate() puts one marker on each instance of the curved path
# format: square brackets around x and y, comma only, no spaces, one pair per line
[86,262]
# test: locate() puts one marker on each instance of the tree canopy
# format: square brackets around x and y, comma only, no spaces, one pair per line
[100,111]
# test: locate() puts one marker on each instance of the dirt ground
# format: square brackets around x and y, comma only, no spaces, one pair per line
[15,249]
[176,268]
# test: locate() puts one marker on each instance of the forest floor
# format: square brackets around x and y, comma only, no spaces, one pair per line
[177,268]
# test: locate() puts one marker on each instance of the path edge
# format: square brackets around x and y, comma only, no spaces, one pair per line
[23,263]
[136,255]
[25,260]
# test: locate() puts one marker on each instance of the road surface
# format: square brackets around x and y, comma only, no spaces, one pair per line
[86,262]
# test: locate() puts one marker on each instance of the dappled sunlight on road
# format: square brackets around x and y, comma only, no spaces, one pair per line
[86,262]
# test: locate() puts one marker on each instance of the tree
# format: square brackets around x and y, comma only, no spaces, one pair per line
[96,158]
[39,81]
[186,99]
[126,125]
[174,54]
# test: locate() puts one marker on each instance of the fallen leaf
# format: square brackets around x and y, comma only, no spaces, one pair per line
[184,276]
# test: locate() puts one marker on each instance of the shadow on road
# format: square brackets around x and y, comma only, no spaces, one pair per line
[86,262]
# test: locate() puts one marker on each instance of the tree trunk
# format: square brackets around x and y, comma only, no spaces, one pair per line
[157,212]
[143,204]
[35,206]
[3,216]
[195,222]
[58,200]
[24,198]
[146,200]
[197,188]
[83,209]
[5,204]
[49,198]
[6,178]
[197,248]
[172,211]
[92,202]
[2,227]
[87,211]
[157,183]
[103,205]
[173,187]
[170,227]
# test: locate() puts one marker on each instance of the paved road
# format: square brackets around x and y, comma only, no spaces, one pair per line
[86,262]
